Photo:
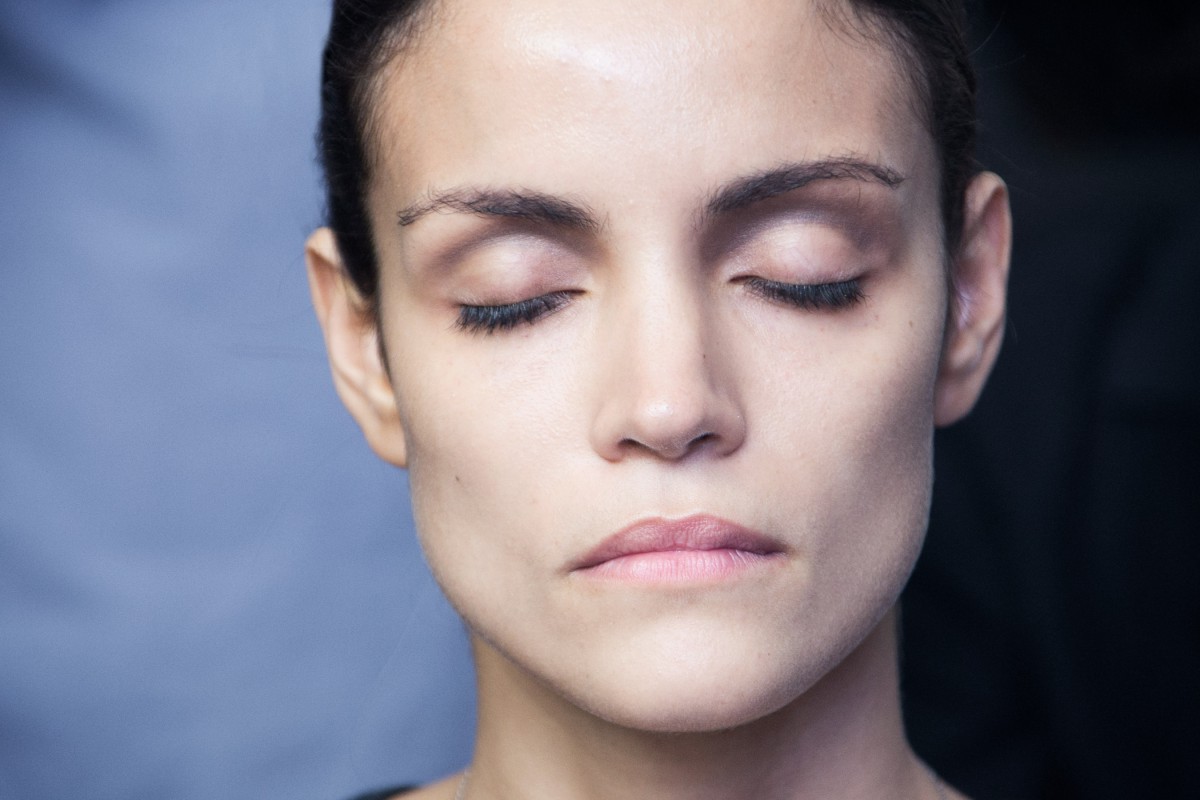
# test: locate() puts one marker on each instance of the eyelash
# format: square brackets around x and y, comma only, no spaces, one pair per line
[489,319]
[807,296]
[810,296]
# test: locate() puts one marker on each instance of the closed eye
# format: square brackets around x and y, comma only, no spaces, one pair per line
[809,296]
[490,319]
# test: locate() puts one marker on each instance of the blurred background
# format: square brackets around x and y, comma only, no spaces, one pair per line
[1052,627]
[208,585]
[209,588]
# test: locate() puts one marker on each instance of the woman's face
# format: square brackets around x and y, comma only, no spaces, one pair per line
[668,272]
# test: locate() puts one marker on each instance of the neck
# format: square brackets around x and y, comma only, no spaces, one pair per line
[843,739]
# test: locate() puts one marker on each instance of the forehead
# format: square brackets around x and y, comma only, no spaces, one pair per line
[551,89]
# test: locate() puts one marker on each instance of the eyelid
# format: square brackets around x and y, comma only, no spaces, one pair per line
[783,254]
[865,223]
[450,246]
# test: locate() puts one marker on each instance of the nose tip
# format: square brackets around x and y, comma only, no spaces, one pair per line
[671,417]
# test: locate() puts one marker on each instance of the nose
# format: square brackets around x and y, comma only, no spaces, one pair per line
[667,390]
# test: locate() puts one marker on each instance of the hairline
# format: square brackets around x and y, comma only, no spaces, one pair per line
[855,20]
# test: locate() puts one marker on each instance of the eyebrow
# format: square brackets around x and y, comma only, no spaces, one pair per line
[559,212]
[511,203]
[744,192]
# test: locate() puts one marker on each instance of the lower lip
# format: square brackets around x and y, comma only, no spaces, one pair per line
[680,566]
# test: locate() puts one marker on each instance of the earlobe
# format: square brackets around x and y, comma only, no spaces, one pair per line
[351,341]
[975,324]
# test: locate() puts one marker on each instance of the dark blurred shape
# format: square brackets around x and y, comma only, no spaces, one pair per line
[1096,70]
[1052,628]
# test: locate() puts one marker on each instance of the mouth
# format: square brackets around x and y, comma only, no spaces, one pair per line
[699,548]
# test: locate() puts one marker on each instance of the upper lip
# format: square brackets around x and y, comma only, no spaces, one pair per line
[658,534]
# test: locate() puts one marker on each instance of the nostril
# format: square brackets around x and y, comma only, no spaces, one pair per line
[671,448]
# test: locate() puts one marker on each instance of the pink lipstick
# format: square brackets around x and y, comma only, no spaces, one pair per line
[698,548]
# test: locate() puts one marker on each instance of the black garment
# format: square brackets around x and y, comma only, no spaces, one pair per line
[384,794]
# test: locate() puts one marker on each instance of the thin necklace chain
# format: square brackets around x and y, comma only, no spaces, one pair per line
[938,785]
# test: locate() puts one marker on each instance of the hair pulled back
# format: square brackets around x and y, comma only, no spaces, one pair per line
[927,36]
[363,36]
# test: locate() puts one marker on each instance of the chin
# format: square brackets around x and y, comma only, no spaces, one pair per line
[692,714]
[696,687]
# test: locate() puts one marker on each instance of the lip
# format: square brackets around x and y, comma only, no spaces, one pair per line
[695,548]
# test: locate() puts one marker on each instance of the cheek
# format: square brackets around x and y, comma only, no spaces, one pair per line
[487,440]
[854,443]
[886,479]
[892,472]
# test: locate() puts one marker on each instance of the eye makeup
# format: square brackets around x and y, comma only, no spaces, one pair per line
[490,319]
[809,296]
[810,249]
[862,221]
[798,250]
[496,278]
[790,259]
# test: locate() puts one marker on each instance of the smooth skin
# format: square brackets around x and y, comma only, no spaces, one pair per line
[634,185]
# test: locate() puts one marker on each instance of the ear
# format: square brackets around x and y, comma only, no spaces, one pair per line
[352,341]
[975,322]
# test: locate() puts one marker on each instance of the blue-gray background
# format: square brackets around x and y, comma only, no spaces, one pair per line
[209,587]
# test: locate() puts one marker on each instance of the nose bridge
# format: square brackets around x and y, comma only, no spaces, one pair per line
[666,392]
[666,347]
